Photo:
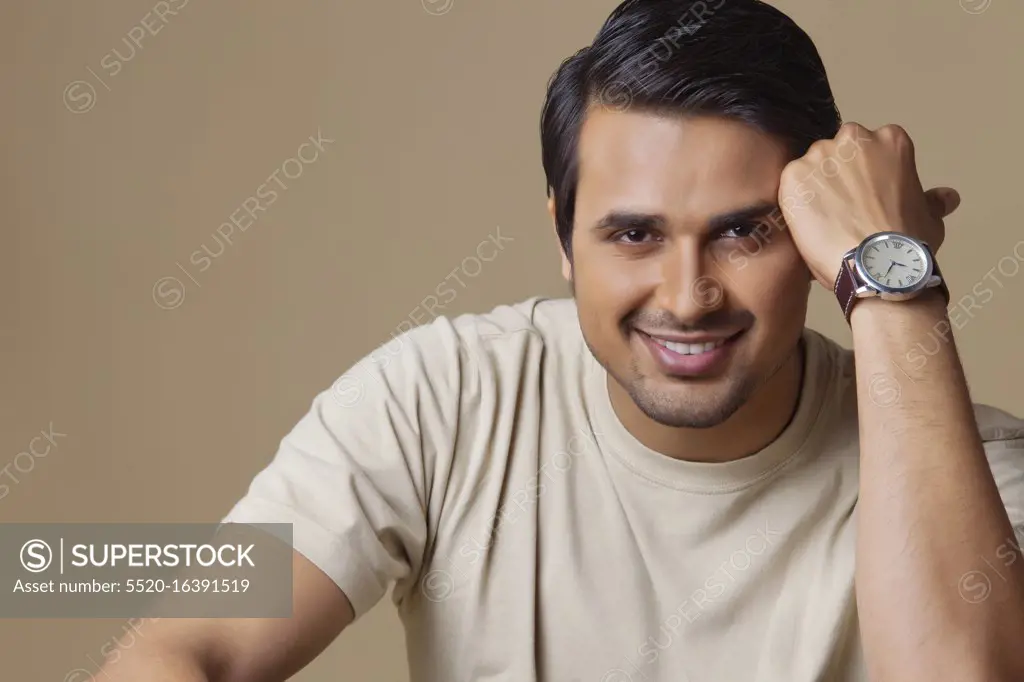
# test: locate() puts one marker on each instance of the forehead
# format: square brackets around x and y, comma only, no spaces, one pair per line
[688,168]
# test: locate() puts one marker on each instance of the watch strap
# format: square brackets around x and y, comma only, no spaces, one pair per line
[935,273]
[845,287]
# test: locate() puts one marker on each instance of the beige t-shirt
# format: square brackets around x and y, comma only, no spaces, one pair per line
[476,464]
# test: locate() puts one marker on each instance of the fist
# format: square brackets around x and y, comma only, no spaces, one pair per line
[856,184]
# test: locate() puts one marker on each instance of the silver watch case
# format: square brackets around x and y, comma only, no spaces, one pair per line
[870,287]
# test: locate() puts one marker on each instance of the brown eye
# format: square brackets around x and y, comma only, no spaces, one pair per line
[633,236]
[740,231]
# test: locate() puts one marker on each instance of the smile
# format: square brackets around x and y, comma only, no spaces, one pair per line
[690,348]
[697,356]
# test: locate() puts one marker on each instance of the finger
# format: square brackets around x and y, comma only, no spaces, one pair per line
[942,201]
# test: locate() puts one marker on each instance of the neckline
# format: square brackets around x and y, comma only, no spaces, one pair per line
[719,477]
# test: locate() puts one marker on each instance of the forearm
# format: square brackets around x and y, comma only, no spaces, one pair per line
[929,510]
[154,663]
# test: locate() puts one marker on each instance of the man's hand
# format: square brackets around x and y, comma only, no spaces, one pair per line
[854,185]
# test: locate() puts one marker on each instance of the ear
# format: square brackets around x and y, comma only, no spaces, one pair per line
[566,265]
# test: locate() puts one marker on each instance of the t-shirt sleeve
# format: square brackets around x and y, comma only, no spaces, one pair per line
[1003,436]
[354,475]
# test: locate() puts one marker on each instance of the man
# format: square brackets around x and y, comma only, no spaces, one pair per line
[667,477]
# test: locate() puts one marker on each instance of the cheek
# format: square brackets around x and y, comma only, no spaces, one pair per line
[612,286]
[773,283]
[601,297]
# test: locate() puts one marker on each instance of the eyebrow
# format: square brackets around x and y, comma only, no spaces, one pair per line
[635,220]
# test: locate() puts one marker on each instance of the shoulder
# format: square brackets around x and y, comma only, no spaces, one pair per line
[449,352]
[550,323]
[998,427]
[1002,435]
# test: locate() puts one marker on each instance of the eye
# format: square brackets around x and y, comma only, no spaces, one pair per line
[632,236]
[740,231]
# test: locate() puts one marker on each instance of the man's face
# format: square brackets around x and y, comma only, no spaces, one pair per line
[690,291]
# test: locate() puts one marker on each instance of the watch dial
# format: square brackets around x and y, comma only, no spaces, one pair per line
[894,262]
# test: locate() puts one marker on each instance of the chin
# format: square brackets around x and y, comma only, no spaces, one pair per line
[678,405]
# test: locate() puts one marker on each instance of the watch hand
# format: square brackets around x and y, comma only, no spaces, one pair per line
[891,263]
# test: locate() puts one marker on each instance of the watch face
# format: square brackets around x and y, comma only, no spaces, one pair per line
[894,262]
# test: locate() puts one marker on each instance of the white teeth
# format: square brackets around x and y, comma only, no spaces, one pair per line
[690,348]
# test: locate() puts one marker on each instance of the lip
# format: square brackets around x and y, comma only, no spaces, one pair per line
[691,366]
[691,338]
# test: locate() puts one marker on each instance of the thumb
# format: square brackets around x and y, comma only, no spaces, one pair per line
[942,201]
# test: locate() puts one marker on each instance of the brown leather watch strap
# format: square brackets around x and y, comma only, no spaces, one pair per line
[942,280]
[845,288]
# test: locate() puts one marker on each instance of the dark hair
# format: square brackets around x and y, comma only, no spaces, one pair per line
[741,59]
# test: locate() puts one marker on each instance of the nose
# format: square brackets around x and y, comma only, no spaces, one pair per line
[689,288]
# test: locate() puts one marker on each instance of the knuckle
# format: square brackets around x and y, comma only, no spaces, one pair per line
[819,148]
[892,129]
[793,169]
[896,134]
[852,129]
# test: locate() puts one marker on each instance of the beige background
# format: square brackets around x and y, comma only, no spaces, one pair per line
[433,109]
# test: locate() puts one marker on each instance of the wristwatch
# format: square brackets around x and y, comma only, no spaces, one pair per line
[889,265]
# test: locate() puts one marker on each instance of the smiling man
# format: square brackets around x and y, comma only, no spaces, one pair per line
[667,476]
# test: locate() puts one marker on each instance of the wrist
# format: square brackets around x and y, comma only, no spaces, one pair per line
[928,308]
